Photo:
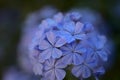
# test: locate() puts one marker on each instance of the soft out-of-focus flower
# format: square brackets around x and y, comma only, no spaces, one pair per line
[15,74]
[67,40]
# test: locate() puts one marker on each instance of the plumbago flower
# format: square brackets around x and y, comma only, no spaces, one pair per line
[65,41]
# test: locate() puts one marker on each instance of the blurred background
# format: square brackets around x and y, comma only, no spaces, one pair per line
[13,13]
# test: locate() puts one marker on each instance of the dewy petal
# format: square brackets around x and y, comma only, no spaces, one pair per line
[46,54]
[44,45]
[60,42]
[67,59]
[78,27]
[37,68]
[86,72]
[77,59]
[77,71]
[50,75]
[51,37]
[60,74]
[69,27]
[56,53]
[60,64]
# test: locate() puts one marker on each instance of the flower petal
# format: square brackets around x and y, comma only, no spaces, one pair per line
[50,75]
[60,64]
[103,55]
[44,45]
[51,37]
[86,72]
[46,54]
[37,69]
[60,42]
[49,64]
[69,27]
[60,74]
[67,59]
[77,71]
[80,36]
[78,27]
[56,53]
[77,59]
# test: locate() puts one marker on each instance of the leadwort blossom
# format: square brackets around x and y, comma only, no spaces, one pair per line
[65,41]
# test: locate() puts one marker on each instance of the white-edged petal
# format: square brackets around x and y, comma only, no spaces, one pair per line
[56,53]
[60,74]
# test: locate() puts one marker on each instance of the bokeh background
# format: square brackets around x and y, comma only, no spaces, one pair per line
[13,13]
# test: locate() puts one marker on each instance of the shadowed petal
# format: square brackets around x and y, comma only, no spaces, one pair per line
[77,59]
[60,42]
[46,54]
[60,74]
[86,72]
[44,45]
[77,71]
[56,53]
[51,37]
[49,64]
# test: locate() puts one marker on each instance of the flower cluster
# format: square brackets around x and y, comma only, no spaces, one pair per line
[65,41]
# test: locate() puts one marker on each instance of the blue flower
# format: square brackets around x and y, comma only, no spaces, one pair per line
[84,70]
[73,53]
[54,70]
[50,46]
[97,44]
[72,31]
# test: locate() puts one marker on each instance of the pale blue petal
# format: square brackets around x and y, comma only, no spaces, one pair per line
[77,71]
[60,64]
[69,27]
[75,16]
[77,59]
[51,22]
[51,37]
[50,74]
[66,49]
[44,45]
[66,35]
[49,64]
[60,42]
[67,59]
[56,53]
[38,68]
[80,49]
[103,55]
[101,43]
[78,27]
[86,72]
[46,54]
[80,36]
[60,74]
